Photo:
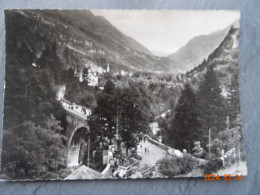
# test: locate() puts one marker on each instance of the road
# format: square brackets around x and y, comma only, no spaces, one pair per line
[155,153]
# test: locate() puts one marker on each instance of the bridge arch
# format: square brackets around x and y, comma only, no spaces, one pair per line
[77,144]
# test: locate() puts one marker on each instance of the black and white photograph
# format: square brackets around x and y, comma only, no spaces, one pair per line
[121,94]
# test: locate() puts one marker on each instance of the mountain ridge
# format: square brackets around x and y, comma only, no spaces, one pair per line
[224,60]
[198,48]
[94,37]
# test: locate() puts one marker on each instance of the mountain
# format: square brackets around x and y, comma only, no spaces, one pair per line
[197,49]
[91,38]
[224,60]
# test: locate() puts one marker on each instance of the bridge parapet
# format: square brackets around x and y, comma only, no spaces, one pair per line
[76,118]
[79,111]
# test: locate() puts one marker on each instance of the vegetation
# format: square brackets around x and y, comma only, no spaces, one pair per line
[174,165]
[211,106]
[198,151]
[206,109]
[184,127]
[32,151]
[128,108]
[34,145]
[212,166]
[39,61]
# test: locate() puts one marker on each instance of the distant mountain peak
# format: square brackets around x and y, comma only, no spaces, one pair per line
[198,48]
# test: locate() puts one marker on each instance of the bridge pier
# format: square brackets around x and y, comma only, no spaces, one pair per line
[76,126]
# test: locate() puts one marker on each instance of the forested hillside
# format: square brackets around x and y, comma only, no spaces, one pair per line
[208,104]
[44,52]
[90,38]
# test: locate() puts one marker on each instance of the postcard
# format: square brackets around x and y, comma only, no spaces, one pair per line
[121,94]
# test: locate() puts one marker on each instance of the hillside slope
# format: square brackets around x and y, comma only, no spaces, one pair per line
[92,38]
[224,60]
[197,49]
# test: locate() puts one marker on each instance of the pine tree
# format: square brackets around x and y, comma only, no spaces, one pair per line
[185,126]
[85,77]
[234,102]
[211,105]
[109,87]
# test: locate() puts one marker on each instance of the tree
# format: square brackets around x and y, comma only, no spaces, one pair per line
[85,76]
[33,144]
[109,87]
[234,102]
[69,75]
[198,151]
[127,107]
[103,118]
[211,106]
[31,151]
[134,109]
[25,54]
[54,49]
[185,126]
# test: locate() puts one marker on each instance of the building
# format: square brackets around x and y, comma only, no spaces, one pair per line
[92,78]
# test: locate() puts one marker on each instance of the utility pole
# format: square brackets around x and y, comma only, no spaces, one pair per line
[223,156]
[117,131]
[239,157]
[88,149]
[227,122]
[209,143]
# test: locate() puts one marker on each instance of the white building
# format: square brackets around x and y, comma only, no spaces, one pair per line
[92,78]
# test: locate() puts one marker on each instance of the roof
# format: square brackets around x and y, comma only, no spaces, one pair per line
[84,172]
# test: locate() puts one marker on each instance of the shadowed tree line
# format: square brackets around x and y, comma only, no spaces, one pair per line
[206,109]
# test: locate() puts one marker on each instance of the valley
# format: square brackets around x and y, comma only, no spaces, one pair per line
[84,98]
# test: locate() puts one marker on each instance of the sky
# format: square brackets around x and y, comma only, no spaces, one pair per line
[163,32]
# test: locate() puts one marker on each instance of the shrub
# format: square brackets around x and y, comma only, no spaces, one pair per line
[198,151]
[175,165]
[213,166]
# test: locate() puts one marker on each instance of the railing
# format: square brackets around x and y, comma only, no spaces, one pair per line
[165,147]
[161,145]
[75,109]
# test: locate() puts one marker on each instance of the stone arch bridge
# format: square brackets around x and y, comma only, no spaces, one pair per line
[77,130]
